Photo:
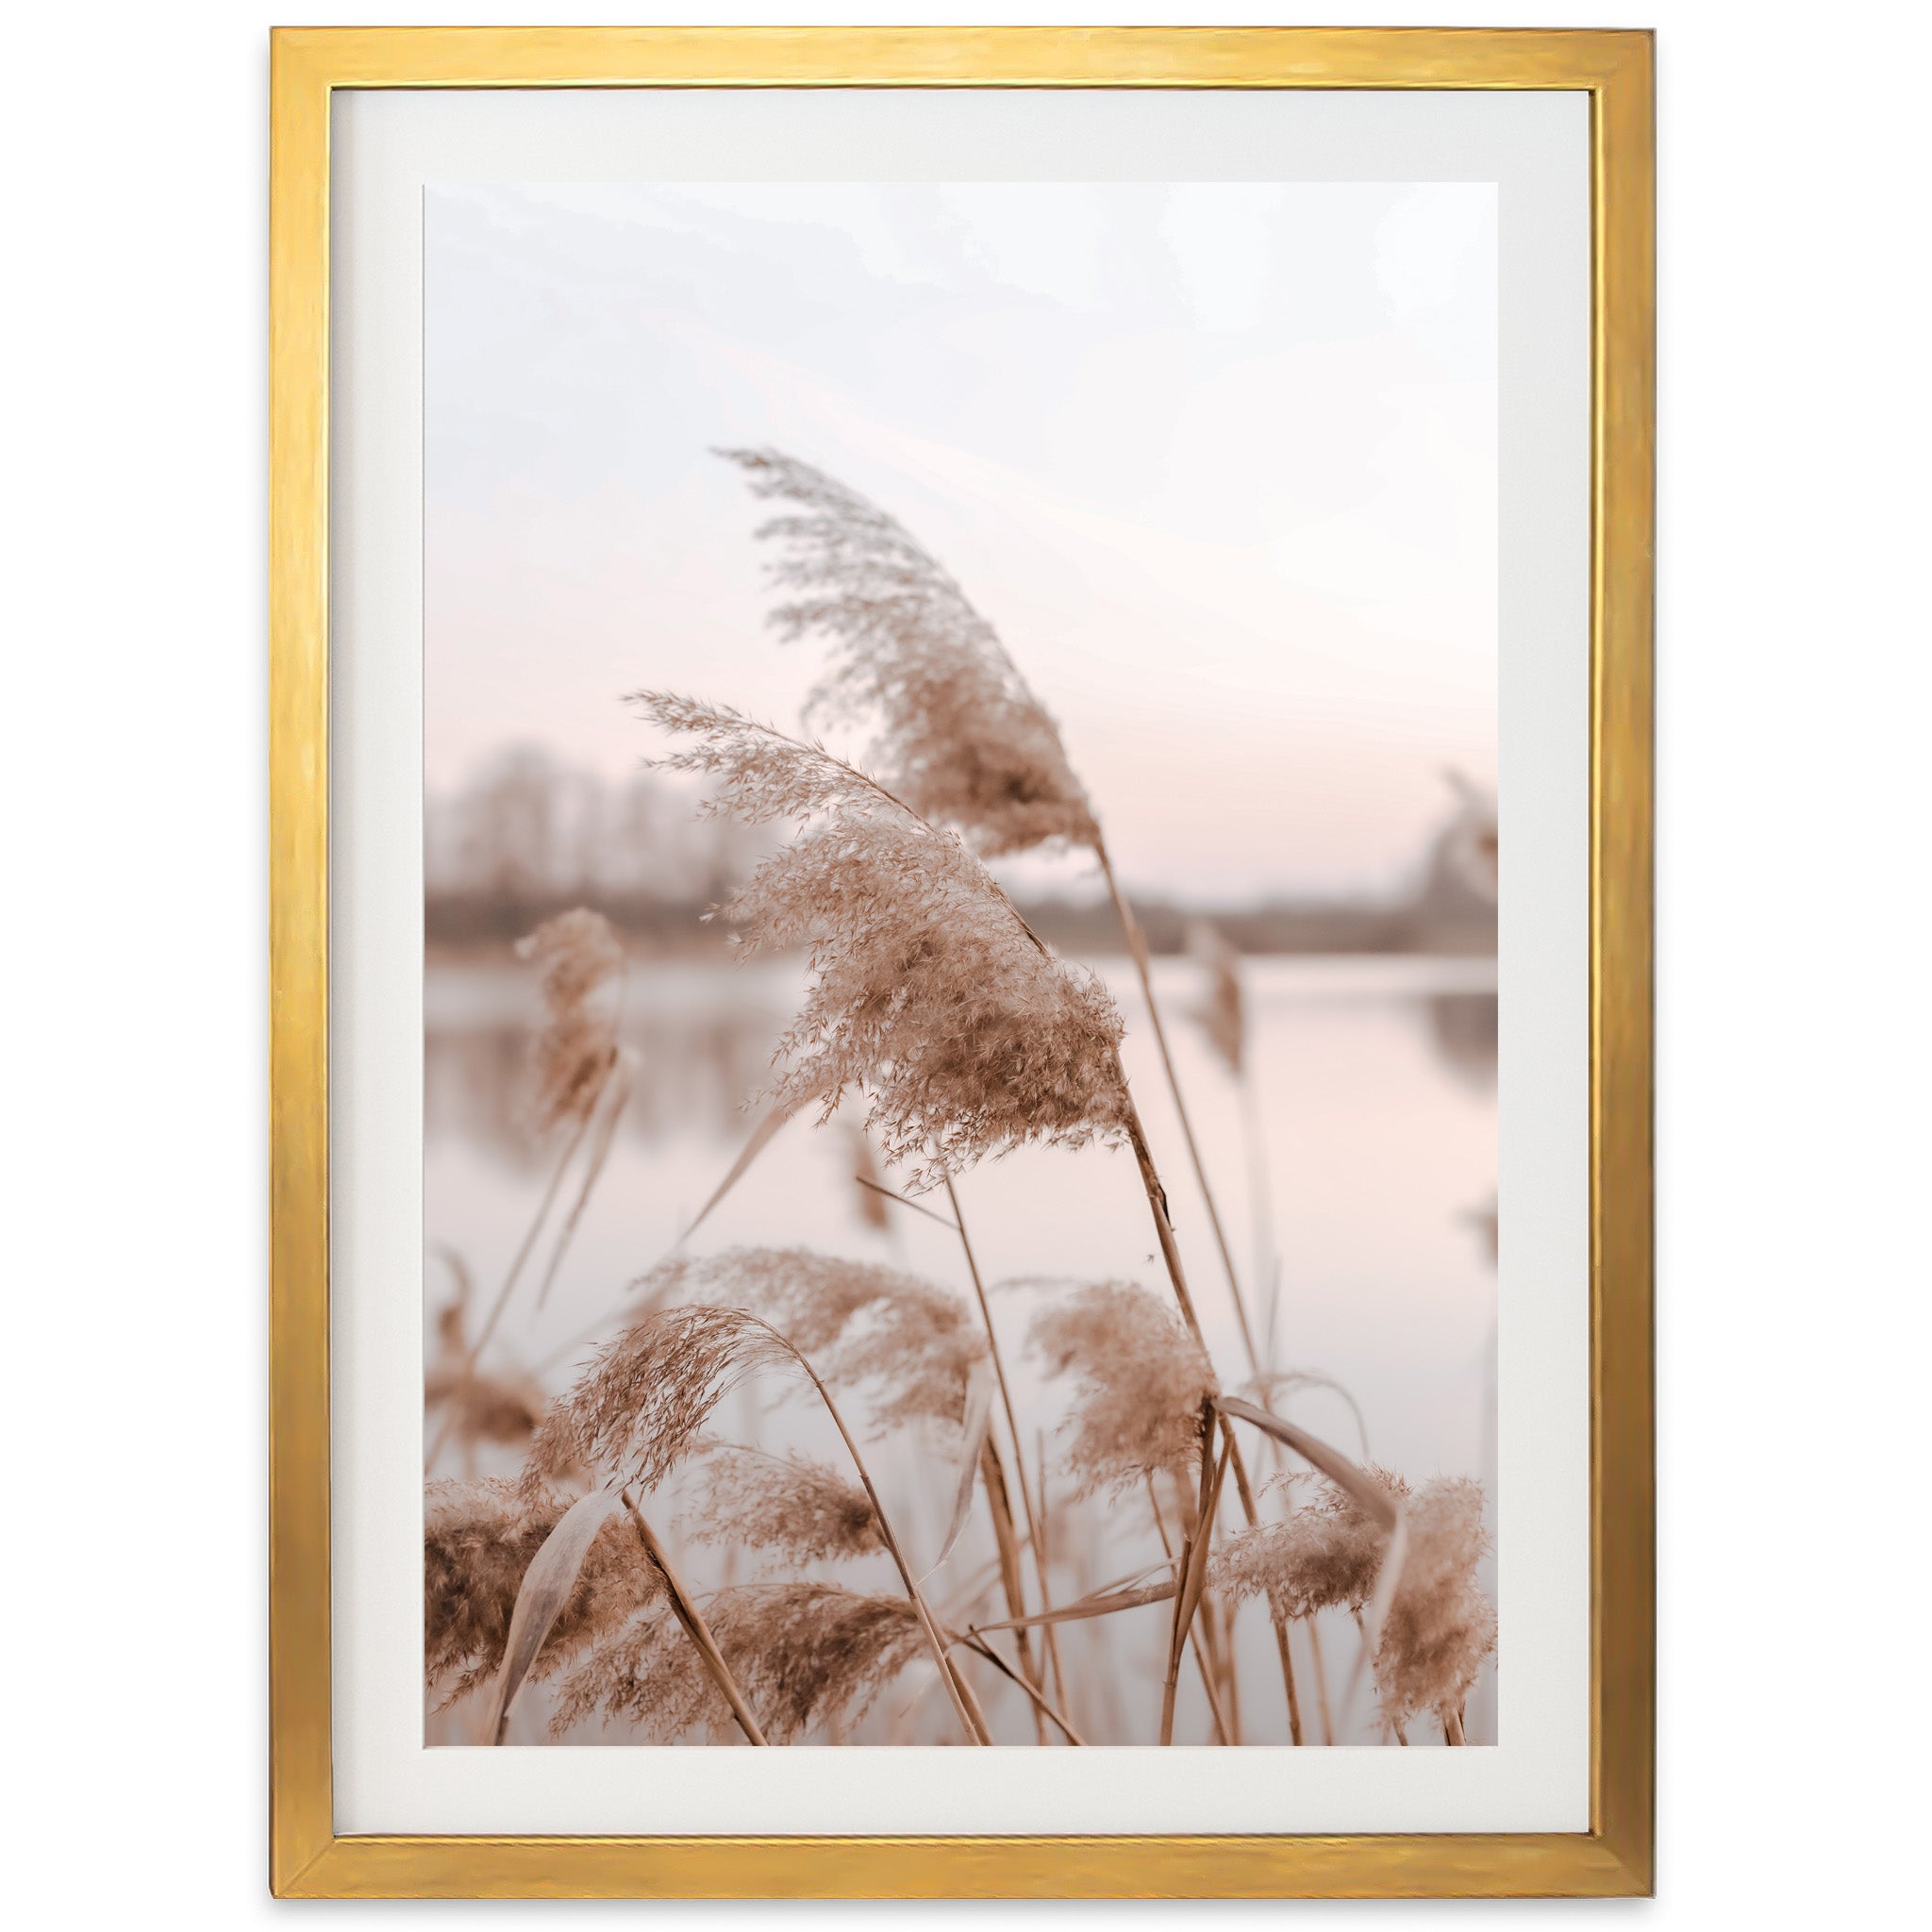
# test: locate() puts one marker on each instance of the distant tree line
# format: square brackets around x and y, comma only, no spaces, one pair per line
[530,837]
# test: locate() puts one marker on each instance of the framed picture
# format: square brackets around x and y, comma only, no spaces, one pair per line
[961,942]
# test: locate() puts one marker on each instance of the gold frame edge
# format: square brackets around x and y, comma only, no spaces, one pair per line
[1614,1857]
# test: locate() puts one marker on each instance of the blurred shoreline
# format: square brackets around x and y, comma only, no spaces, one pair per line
[1435,920]
[529,839]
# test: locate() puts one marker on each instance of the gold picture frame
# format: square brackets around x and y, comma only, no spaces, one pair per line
[308,1858]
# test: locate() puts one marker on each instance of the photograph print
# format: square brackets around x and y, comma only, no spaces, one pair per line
[961,998]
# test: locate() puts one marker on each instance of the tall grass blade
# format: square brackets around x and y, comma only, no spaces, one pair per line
[974,1430]
[1346,1475]
[616,1098]
[542,1596]
[879,1188]
[1177,1276]
[761,1137]
[1371,1495]
[1193,1578]
[509,1282]
[1102,1603]
[1040,1704]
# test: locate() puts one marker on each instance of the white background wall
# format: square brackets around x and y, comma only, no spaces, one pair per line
[1794,1073]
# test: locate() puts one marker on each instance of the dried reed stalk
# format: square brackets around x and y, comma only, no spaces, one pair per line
[575,1057]
[999,1504]
[1193,1578]
[1137,947]
[975,1432]
[1041,1706]
[969,1716]
[1227,1719]
[692,1619]
[1007,1542]
[1403,1562]
[467,1373]
[963,740]
[1043,1524]
[756,1143]
[1103,1603]
[871,1196]
[917,1208]
[1176,1274]
[1320,1680]
[616,1091]
[1017,1597]
[641,1408]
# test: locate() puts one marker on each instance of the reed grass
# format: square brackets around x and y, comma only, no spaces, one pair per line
[962,1038]
[960,736]
[575,1059]
[694,1621]
[641,1408]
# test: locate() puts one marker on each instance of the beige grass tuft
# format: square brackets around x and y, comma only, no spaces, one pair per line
[754,1500]
[960,737]
[929,996]
[478,1541]
[805,1654]
[1141,1379]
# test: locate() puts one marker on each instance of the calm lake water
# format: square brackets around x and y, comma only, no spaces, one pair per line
[1374,1093]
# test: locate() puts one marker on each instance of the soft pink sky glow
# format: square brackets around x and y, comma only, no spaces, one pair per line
[1217,460]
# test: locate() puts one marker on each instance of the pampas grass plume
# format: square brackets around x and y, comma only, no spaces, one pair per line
[478,1539]
[580,961]
[790,1504]
[961,738]
[803,1653]
[1141,1381]
[929,995]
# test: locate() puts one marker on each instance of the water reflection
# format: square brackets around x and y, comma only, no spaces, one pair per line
[707,1036]
[1373,1093]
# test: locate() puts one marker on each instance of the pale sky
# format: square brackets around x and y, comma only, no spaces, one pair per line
[1219,461]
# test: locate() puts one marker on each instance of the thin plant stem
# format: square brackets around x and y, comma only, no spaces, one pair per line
[915,1206]
[999,1369]
[1213,1638]
[998,1500]
[1267,1253]
[694,1621]
[976,1725]
[1043,1556]
[975,1710]
[1224,1723]
[1194,1575]
[1452,1728]
[509,1280]
[1137,946]
[999,1506]
[1177,1276]
[1321,1682]
[978,1644]
[1217,1621]
[616,1088]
